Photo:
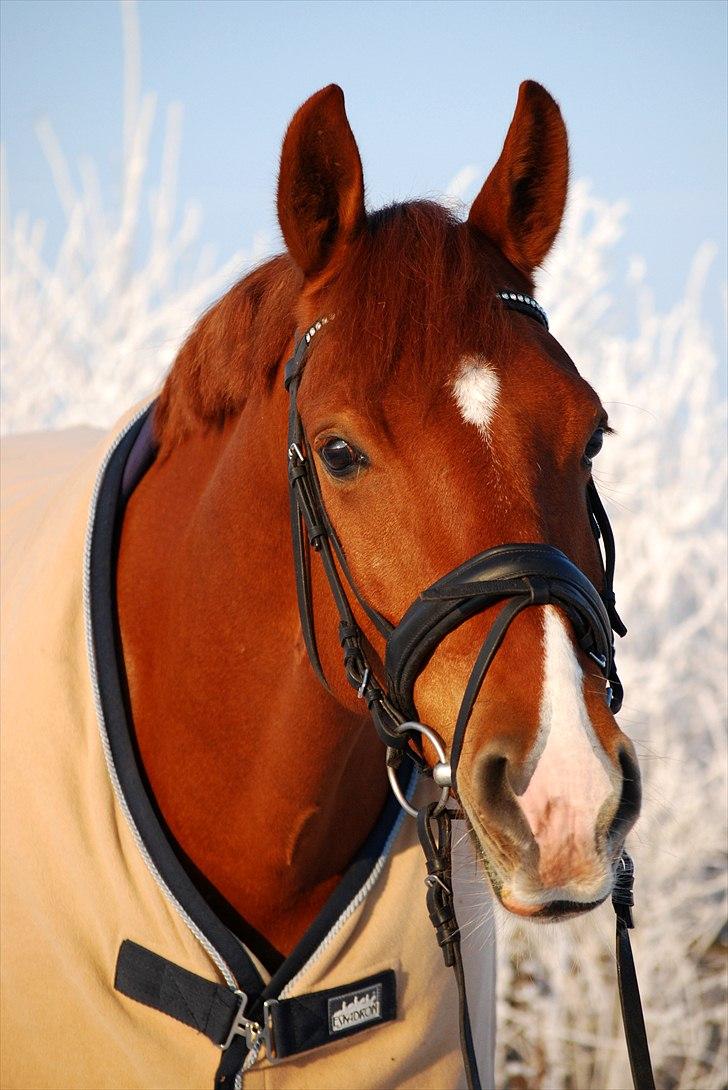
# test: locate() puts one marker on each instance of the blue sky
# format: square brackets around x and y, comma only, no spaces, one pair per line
[430,87]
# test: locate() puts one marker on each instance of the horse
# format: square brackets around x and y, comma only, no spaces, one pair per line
[238,857]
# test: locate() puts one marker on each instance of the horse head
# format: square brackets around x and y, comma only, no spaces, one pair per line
[441,425]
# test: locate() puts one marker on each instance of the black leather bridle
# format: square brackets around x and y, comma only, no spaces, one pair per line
[520,575]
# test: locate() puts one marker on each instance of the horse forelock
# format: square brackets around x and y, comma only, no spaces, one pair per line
[412,294]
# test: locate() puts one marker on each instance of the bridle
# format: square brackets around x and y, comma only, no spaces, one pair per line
[520,575]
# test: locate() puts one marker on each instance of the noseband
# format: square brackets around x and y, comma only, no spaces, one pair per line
[517,575]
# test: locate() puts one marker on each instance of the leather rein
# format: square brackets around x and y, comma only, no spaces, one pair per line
[520,575]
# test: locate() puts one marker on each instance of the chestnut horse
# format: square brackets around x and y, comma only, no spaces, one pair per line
[442,424]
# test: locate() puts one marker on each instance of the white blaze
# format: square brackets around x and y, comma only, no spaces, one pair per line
[476,391]
[573,776]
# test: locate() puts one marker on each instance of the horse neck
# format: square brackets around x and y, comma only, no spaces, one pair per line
[252,764]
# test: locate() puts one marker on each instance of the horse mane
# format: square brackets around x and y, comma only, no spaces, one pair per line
[229,352]
[415,292]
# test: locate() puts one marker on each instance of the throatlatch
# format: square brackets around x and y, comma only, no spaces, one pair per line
[520,576]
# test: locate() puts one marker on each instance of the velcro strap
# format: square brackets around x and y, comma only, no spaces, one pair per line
[150,979]
[309,1021]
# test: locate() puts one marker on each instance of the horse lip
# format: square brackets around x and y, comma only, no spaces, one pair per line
[553,910]
[568,909]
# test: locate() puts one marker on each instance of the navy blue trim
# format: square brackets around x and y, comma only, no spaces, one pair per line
[124,470]
[111,681]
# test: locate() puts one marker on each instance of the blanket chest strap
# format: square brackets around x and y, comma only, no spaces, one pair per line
[286,1027]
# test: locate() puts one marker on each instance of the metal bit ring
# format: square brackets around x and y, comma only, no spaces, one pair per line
[441,773]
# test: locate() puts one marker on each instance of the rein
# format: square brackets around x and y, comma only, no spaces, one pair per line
[521,575]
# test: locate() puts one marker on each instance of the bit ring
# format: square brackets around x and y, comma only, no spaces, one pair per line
[441,772]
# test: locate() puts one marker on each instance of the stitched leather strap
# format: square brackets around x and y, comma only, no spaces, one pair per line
[633,1019]
[441,909]
[487,652]
[311,529]
[604,530]
[533,572]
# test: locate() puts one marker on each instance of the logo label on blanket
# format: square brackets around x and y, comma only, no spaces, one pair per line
[355,1008]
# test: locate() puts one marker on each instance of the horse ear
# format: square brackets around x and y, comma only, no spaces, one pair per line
[320,182]
[521,204]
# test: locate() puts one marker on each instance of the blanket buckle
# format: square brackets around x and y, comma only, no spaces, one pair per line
[242,1026]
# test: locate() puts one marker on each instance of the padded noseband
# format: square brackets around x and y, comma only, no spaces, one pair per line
[525,575]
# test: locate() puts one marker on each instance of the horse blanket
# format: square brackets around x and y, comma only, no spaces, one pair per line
[117,973]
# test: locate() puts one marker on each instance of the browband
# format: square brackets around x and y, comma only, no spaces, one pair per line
[524,304]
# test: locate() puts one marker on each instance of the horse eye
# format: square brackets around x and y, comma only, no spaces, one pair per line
[340,458]
[594,446]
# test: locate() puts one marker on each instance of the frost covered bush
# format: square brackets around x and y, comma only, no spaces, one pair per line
[93,329]
[90,331]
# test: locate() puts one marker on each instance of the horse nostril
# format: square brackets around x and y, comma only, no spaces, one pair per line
[630,800]
[499,806]
[494,779]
